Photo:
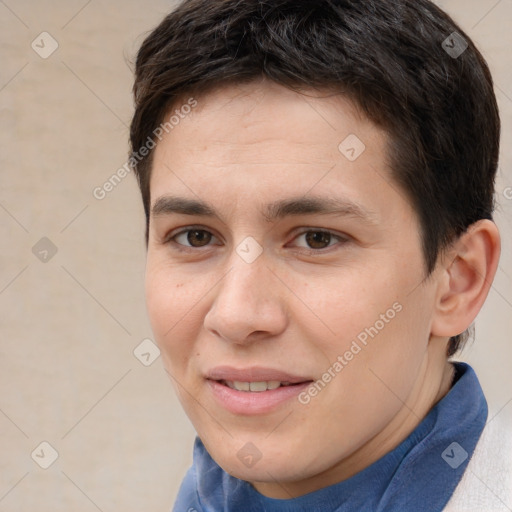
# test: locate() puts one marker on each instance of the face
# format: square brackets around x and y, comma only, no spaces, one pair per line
[285,286]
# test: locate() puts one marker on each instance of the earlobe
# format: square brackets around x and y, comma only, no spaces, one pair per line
[467,273]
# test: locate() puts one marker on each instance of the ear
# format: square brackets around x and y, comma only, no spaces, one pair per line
[466,274]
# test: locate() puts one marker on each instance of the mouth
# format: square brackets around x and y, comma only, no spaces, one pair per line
[253,390]
[254,375]
[257,386]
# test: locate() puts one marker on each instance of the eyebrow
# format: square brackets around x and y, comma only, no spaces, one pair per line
[295,206]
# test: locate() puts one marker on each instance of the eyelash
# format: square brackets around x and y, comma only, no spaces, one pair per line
[186,248]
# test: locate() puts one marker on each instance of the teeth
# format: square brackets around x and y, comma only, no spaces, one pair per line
[257,387]
[241,386]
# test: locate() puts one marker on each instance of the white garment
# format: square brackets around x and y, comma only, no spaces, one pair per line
[486,485]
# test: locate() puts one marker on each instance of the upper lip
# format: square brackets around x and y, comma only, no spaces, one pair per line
[253,374]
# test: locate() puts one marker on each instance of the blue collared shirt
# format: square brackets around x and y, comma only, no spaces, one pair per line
[419,475]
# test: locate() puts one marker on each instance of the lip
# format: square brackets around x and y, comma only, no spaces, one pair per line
[253,403]
[253,374]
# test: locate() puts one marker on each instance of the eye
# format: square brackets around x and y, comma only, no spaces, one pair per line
[193,237]
[318,239]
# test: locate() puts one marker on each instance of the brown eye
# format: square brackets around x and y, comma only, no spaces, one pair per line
[318,239]
[198,238]
[193,238]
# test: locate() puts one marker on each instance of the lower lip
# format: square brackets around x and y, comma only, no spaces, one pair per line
[253,402]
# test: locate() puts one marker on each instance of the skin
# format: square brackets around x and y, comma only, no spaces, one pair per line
[297,308]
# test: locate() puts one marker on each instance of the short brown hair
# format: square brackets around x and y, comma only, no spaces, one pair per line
[404,63]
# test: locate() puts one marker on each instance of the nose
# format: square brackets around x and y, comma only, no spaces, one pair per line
[248,305]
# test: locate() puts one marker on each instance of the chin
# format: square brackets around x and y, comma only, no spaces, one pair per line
[257,462]
[263,472]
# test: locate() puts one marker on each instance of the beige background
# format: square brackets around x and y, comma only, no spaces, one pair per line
[69,325]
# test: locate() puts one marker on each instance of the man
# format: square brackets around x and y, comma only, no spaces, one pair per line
[318,185]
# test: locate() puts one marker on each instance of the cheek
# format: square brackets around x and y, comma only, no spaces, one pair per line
[375,323]
[395,341]
[173,306]
[348,305]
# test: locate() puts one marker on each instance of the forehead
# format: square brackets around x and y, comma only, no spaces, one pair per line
[245,113]
[260,141]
